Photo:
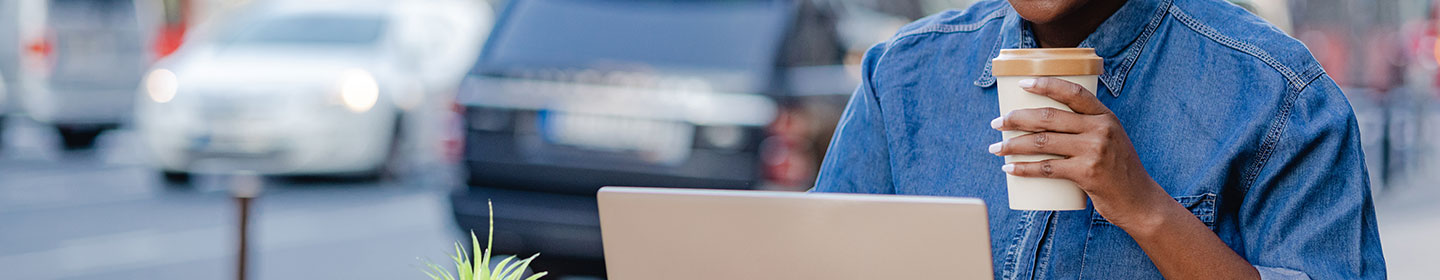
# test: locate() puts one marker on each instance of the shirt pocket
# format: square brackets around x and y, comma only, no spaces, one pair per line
[1110,253]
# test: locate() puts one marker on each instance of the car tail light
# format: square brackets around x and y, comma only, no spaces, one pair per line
[452,141]
[169,40]
[39,53]
[40,48]
[784,153]
[776,153]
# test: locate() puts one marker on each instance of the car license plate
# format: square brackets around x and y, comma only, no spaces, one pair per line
[89,54]
[662,142]
[232,137]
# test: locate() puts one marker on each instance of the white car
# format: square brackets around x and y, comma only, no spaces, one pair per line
[290,88]
[78,63]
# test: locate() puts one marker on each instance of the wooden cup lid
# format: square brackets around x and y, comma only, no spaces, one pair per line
[1047,62]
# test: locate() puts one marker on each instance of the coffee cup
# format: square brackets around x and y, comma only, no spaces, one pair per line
[1076,65]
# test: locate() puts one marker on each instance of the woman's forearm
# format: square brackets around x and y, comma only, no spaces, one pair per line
[1182,247]
[1105,165]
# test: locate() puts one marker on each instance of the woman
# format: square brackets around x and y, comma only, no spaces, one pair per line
[1215,148]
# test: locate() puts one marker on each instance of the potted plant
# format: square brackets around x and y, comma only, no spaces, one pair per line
[479,267]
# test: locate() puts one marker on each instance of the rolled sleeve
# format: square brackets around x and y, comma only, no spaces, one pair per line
[1309,212]
[1275,273]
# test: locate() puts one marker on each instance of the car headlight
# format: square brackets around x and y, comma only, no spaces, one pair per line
[161,85]
[358,90]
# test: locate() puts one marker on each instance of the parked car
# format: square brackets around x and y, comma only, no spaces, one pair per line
[80,62]
[570,96]
[9,52]
[313,88]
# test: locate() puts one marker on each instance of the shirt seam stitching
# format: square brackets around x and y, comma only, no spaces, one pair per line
[1011,269]
[1041,269]
[986,79]
[1273,136]
[928,29]
[874,96]
[890,45]
[1133,53]
[950,28]
[1292,79]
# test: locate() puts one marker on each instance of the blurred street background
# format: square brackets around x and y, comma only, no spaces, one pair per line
[380,128]
[105,214]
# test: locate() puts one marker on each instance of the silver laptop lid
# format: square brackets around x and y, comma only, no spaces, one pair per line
[653,234]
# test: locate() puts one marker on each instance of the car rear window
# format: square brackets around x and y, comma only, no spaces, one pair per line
[735,36]
[312,30]
[92,14]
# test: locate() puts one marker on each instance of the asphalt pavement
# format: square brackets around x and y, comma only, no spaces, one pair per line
[1409,224]
[104,214]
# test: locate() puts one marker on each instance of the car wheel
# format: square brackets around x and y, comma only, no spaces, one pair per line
[175,178]
[78,138]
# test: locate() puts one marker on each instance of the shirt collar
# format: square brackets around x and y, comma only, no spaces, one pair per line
[1119,40]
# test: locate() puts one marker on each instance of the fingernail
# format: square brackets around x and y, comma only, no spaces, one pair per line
[1008,168]
[1027,83]
[995,148]
[995,123]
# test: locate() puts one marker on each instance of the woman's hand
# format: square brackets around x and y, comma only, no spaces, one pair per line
[1100,159]
[1099,156]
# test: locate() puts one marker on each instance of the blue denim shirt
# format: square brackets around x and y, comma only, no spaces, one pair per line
[1232,117]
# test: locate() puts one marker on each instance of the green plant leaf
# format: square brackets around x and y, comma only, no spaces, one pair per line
[432,273]
[478,267]
[481,268]
[522,265]
[506,270]
[439,273]
[462,263]
[490,236]
[499,270]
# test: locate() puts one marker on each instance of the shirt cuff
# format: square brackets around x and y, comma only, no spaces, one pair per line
[1275,273]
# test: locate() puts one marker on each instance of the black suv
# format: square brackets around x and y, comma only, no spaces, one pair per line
[569,96]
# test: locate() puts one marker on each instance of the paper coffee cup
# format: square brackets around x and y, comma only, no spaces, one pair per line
[1077,65]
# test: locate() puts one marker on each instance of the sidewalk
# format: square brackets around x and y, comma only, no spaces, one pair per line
[1409,226]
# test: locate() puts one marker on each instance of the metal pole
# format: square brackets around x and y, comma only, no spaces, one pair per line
[245,187]
[244,228]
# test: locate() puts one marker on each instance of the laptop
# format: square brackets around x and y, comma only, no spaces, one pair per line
[665,234]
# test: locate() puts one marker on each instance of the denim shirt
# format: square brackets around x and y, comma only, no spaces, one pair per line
[1229,115]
